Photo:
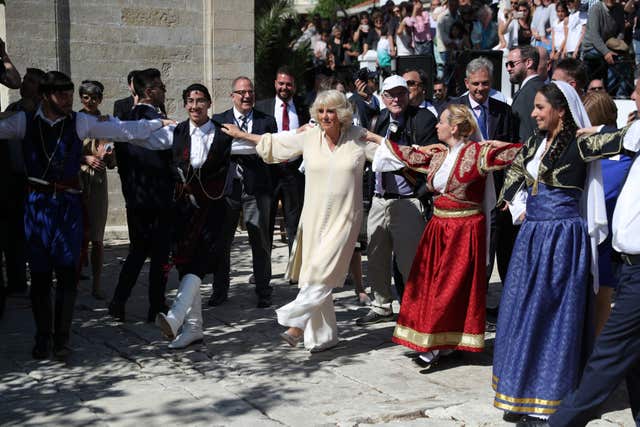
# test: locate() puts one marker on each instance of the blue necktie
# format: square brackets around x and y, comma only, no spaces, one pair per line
[482,122]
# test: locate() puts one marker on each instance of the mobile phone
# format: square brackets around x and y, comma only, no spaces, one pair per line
[518,15]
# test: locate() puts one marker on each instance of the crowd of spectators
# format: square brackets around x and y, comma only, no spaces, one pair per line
[605,35]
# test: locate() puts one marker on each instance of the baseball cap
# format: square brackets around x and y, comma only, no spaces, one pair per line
[393,82]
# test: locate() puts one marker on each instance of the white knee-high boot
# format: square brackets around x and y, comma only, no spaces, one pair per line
[171,322]
[192,326]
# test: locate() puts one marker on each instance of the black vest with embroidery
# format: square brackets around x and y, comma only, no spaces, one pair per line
[52,153]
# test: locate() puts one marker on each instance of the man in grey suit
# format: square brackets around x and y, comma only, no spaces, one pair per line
[522,66]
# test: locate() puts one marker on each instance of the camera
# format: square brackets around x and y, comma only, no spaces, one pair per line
[361,74]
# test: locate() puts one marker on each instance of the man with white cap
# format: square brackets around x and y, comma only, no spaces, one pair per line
[396,219]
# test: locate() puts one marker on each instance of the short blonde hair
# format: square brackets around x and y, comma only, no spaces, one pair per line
[461,116]
[600,108]
[333,99]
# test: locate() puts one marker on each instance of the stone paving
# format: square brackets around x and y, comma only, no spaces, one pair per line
[124,375]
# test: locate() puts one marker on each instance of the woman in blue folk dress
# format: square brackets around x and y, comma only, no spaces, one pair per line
[544,326]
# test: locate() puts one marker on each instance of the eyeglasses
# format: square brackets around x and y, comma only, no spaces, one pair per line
[412,83]
[243,92]
[595,89]
[511,64]
[390,96]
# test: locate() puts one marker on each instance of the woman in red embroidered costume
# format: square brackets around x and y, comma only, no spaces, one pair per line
[443,308]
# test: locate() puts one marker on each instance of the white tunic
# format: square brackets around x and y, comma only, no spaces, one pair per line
[332,212]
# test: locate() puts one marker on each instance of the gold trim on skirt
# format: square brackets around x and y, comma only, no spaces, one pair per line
[460,213]
[442,338]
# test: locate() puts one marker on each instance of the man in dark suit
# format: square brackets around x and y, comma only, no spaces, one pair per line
[395,221]
[287,180]
[522,66]
[122,107]
[496,122]
[147,186]
[249,189]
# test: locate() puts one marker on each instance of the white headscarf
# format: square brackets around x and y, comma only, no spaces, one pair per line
[592,204]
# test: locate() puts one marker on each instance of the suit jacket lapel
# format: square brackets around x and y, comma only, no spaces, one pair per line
[492,121]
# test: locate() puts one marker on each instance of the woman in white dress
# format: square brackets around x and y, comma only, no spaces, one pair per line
[334,156]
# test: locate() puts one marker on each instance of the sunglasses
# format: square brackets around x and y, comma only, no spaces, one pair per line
[511,64]
[412,83]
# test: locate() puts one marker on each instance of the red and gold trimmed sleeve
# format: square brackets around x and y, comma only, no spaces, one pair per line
[410,156]
[492,159]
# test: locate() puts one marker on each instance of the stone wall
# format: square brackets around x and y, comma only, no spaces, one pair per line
[206,41]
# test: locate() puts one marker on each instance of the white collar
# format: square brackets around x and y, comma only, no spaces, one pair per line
[40,114]
[524,82]
[148,105]
[205,128]
[279,102]
[474,104]
[238,115]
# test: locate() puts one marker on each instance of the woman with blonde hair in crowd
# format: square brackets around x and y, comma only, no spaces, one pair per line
[443,307]
[97,157]
[602,110]
[334,155]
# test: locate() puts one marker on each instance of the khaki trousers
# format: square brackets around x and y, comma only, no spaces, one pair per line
[393,226]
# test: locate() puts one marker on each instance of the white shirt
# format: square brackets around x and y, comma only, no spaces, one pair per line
[626,216]
[294,122]
[441,176]
[241,146]
[475,107]
[429,106]
[88,126]
[201,140]
[577,21]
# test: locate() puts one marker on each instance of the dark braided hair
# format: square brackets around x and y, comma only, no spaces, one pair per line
[567,134]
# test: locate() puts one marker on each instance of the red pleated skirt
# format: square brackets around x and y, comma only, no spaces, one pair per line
[443,306]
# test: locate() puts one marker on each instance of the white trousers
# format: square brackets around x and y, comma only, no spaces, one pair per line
[313,312]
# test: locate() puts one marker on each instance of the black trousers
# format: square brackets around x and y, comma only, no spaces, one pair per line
[256,214]
[616,356]
[62,312]
[505,238]
[288,187]
[149,236]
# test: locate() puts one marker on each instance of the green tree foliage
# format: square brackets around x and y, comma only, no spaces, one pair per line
[276,30]
[329,8]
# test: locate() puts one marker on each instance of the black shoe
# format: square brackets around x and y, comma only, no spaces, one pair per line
[42,349]
[372,317]
[512,417]
[264,302]
[529,421]
[217,299]
[116,310]
[152,313]
[61,352]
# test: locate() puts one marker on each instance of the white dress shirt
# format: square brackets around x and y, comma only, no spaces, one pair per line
[626,216]
[201,140]
[475,107]
[241,146]
[441,176]
[294,122]
[87,126]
